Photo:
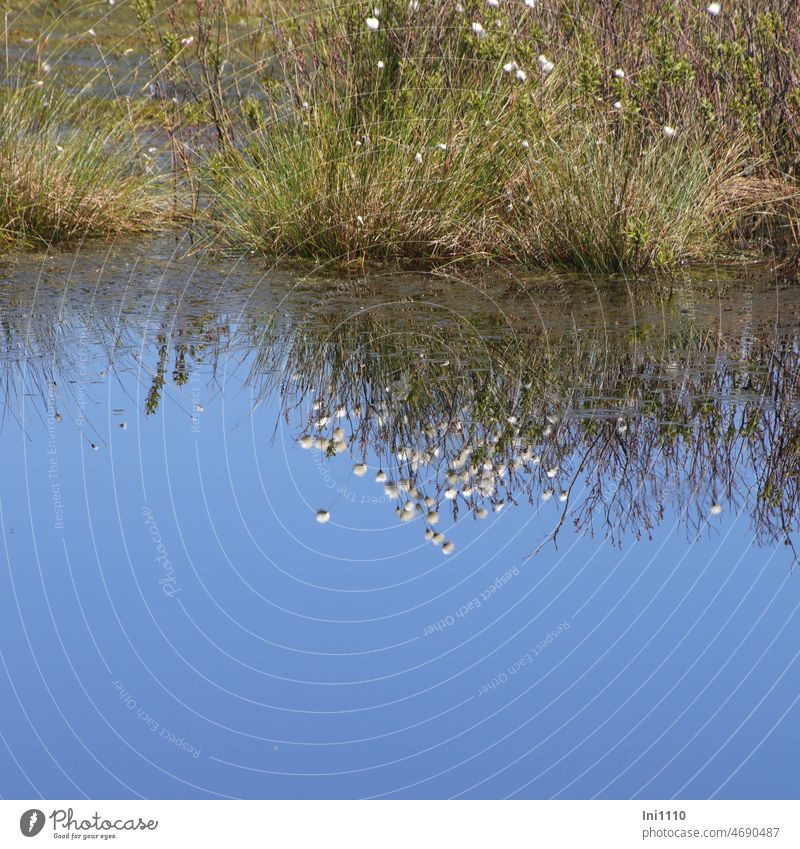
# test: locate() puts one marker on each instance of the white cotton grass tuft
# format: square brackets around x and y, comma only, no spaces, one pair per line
[380,476]
[510,67]
[547,494]
[481,513]
[498,506]
[545,65]
[564,495]
[428,534]
[493,4]
[381,64]
[551,473]
[617,105]
[450,493]
[306,441]
[418,158]
[390,490]
[323,516]
[447,548]
[373,24]
[525,144]
[619,73]
[716,509]
[531,4]
[433,517]
[437,539]
[714,9]
[360,469]
[442,146]
[478,29]
[521,75]
[669,132]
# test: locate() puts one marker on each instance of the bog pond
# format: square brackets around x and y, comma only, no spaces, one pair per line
[272,533]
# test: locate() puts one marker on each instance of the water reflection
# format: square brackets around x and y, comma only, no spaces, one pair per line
[607,405]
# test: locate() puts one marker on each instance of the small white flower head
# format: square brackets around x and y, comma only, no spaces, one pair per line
[716,509]
[323,516]
[373,24]
[360,469]
[381,65]
[619,74]
[617,105]
[494,4]
[547,495]
[447,548]
[714,9]
[418,158]
[669,132]
[442,146]
[478,30]
[525,144]
[545,64]
[521,75]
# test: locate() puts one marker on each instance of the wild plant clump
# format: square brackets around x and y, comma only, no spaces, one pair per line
[593,134]
[65,176]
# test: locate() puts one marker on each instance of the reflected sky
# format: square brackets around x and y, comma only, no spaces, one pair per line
[614,465]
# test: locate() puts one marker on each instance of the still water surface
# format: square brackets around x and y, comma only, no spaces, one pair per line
[611,465]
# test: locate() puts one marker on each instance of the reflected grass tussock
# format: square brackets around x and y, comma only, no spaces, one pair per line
[611,408]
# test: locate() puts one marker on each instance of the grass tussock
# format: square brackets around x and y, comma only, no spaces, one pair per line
[446,134]
[66,176]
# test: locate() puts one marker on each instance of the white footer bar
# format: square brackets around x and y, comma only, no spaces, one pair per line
[402,824]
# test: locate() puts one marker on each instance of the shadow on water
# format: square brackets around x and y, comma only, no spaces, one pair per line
[616,401]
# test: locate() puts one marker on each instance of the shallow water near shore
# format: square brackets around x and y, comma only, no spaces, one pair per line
[615,464]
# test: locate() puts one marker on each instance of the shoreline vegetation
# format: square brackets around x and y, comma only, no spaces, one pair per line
[593,135]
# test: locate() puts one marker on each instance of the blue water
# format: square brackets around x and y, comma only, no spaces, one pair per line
[175,623]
